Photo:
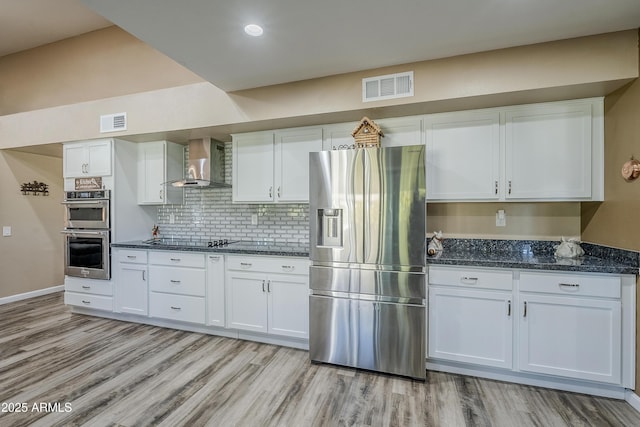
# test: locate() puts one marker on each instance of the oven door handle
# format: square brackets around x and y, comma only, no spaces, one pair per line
[92,233]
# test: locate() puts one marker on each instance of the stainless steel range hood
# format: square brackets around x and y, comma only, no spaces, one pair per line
[205,166]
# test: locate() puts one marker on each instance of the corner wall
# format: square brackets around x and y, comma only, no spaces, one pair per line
[32,258]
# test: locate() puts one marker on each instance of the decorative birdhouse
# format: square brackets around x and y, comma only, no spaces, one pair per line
[367,134]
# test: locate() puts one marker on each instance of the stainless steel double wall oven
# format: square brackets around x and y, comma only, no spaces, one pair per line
[87,234]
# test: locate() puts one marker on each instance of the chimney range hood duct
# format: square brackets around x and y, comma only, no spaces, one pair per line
[205,165]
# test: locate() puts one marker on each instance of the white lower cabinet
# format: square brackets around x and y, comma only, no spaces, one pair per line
[567,325]
[268,295]
[177,283]
[88,293]
[130,275]
[215,291]
[472,326]
[567,331]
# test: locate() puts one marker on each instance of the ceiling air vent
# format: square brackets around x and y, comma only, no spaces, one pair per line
[387,87]
[113,122]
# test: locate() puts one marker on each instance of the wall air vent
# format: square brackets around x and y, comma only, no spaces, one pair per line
[387,87]
[113,122]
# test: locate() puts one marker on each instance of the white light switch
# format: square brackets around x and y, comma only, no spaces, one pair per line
[501,218]
[6,231]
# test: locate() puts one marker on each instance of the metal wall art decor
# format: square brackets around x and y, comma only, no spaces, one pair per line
[35,188]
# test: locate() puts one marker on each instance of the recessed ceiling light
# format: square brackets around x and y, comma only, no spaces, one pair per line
[253,30]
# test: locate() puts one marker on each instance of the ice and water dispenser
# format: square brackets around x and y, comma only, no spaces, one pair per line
[330,228]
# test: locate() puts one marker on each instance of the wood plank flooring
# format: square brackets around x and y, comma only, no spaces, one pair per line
[111,373]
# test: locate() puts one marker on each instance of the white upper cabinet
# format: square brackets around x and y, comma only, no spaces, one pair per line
[253,167]
[539,152]
[549,151]
[337,136]
[84,159]
[463,155]
[273,167]
[400,131]
[158,163]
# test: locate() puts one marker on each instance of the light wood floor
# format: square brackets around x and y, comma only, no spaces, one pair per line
[113,373]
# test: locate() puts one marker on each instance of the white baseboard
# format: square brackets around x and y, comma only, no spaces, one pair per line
[27,295]
[633,400]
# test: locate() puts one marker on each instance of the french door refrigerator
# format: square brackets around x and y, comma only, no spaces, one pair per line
[367,305]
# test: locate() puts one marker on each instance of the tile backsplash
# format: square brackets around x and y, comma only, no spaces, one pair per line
[208,213]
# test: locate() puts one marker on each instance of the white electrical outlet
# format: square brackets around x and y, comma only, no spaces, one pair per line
[6,230]
[254,219]
[501,218]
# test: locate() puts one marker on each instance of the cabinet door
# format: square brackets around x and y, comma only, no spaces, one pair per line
[215,290]
[401,131]
[246,301]
[571,337]
[292,162]
[337,136]
[548,152]
[131,289]
[471,326]
[151,167]
[462,155]
[253,159]
[73,160]
[99,158]
[288,299]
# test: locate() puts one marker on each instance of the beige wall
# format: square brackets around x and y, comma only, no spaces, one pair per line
[536,221]
[101,64]
[32,258]
[581,67]
[615,222]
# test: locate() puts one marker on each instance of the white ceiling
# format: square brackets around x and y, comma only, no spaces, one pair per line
[308,39]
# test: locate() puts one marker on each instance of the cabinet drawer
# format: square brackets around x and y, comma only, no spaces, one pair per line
[571,284]
[132,256]
[269,264]
[94,287]
[176,280]
[179,259]
[96,302]
[472,278]
[177,307]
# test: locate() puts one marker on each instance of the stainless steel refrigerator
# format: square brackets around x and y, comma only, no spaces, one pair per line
[367,217]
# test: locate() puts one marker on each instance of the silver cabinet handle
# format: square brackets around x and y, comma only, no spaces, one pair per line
[278,192]
[86,287]
[288,267]
[143,276]
[509,308]
[86,302]
[214,257]
[263,286]
[268,285]
[174,281]
[496,187]
[161,194]
[525,309]
[271,192]
[175,259]
[569,285]
[468,280]
[132,256]
[175,308]
[245,264]
[509,186]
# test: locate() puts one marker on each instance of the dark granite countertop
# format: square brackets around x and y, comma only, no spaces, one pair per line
[533,255]
[241,248]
